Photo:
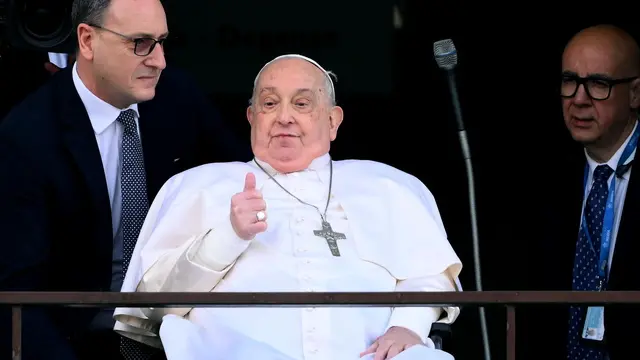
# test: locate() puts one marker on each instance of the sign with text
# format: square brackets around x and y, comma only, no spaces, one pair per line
[225,43]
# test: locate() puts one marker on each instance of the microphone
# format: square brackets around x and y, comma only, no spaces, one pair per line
[446,57]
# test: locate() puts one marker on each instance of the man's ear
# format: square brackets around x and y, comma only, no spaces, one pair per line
[250,114]
[335,119]
[86,35]
[634,94]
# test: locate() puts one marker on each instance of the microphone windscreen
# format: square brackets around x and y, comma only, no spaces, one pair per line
[445,54]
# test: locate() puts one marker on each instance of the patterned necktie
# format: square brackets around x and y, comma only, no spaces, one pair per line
[585,269]
[135,205]
[133,182]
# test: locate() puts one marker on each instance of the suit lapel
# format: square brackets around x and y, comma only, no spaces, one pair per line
[565,211]
[627,246]
[79,139]
[153,146]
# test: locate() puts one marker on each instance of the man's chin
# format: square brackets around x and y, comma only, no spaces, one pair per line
[584,136]
[145,95]
[285,154]
[287,163]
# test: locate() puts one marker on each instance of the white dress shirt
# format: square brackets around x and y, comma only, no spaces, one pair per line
[108,134]
[620,189]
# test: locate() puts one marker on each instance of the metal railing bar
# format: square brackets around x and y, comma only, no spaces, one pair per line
[16,331]
[469,298]
[511,333]
[397,299]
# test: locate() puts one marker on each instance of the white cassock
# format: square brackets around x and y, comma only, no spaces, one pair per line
[395,241]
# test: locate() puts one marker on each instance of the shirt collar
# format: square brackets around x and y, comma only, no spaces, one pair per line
[613,162]
[101,114]
[318,164]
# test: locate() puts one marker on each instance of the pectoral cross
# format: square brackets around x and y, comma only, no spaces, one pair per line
[331,236]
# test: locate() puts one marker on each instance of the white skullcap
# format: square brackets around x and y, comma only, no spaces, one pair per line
[326,73]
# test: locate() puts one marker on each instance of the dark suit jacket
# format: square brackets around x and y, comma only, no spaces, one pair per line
[548,223]
[55,217]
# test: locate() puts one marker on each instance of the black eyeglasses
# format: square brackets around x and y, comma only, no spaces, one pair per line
[597,87]
[143,45]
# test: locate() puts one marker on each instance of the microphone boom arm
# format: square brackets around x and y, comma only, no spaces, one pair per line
[466,153]
[451,76]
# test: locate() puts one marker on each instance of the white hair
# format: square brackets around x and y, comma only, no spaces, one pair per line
[328,83]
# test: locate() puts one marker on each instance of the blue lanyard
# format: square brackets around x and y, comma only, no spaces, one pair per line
[607,226]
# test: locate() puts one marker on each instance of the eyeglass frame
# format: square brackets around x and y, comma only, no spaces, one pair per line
[595,77]
[135,40]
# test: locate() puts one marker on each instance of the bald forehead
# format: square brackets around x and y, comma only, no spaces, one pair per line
[602,49]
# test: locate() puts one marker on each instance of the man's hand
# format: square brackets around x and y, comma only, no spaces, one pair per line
[244,210]
[393,342]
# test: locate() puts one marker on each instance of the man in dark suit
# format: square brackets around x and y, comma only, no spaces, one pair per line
[585,232]
[81,159]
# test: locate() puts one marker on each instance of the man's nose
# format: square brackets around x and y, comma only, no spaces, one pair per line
[156,58]
[582,97]
[285,116]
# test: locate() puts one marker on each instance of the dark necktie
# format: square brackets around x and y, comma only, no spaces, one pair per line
[135,204]
[133,183]
[585,269]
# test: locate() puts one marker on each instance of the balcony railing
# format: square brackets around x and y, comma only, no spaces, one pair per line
[468,298]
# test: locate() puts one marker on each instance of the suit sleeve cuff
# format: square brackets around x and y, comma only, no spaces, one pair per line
[418,320]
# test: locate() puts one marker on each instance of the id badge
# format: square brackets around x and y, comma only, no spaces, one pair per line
[594,324]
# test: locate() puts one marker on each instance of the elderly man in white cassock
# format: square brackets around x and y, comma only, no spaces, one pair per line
[292,220]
